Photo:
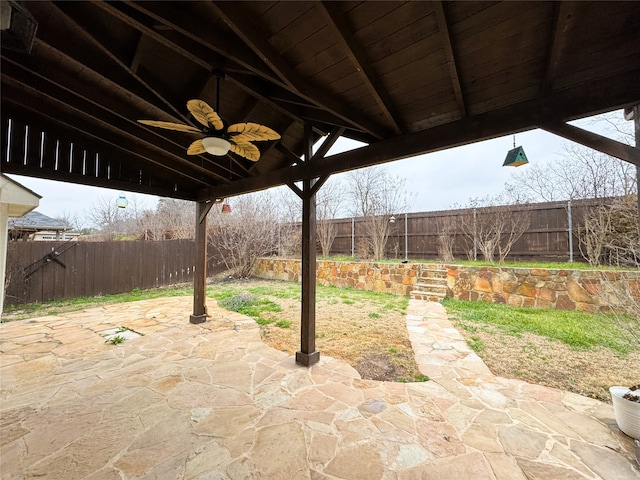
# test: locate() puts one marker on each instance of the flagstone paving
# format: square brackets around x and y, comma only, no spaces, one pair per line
[212,401]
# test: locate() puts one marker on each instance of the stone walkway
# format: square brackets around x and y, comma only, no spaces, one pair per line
[212,401]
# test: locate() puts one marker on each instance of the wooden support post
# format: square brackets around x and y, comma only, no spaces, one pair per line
[308,355]
[636,130]
[200,261]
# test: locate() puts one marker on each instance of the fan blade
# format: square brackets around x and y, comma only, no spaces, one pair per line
[246,150]
[248,132]
[204,114]
[171,126]
[196,148]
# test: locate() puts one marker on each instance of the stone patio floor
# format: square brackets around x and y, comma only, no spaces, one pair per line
[212,401]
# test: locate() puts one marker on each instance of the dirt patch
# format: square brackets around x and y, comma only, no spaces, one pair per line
[369,336]
[375,366]
[537,359]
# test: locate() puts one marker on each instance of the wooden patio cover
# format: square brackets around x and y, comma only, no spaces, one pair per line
[405,78]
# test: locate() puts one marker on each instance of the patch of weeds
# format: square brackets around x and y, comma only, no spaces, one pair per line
[476,344]
[116,340]
[421,378]
[468,327]
[283,324]
[320,335]
[122,329]
[348,301]
[393,350]
[402,380]
[250,305]
[264,321]
[374,315]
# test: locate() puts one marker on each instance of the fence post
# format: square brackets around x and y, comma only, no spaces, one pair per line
[475,241]
[353,242]
[570,229]
[406,240]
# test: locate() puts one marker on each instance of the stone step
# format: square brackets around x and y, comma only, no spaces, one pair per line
[433,274]
[423,287]
[433,282]
[429,296]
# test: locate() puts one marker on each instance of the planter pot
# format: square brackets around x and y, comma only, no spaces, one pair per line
[627,412]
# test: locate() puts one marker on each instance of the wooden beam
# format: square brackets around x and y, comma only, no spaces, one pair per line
[443,26]
[561,15]
[238,22]
[328,142]
[199,314]
[597,142]
[336,22]
[308,355]
[585,100]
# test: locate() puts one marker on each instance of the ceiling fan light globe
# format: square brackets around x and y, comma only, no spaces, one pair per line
[216,146]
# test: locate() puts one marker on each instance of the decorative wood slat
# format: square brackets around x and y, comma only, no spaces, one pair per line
[34,140]
[17,147]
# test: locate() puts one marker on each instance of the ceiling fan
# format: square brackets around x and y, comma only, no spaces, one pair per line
[219,138]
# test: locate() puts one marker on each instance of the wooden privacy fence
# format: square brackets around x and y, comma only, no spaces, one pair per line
[546,238]
[42,271]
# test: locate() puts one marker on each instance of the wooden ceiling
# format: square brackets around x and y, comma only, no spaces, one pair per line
[405,78]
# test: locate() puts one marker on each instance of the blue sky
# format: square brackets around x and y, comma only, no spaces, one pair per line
[438,180]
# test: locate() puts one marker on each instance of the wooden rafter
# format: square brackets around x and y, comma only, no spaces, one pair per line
[443,26]
[234,18]
[561,13]
[192,51]
[336,22]
[100,44]
[170,15]
[597,142]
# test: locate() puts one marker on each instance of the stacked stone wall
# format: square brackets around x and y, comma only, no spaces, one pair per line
[584,290]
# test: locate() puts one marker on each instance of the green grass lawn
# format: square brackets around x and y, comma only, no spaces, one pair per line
[579,330]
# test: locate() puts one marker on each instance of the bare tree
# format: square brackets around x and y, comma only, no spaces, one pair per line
[75,221]
[610,233]
[376,196]
[288,211]
[113,222]
[176,216]
[249,232]
[496,226]
[447,228]
[329,200]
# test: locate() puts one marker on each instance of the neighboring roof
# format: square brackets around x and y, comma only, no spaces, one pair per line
[18,198]
[36,221]
[404,77]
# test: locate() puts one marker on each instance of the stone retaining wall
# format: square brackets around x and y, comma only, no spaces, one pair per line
[584,290]
[396,278]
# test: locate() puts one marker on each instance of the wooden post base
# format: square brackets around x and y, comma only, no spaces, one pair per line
[307,359]
[198,318]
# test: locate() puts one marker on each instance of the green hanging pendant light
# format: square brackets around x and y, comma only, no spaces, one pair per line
[515,156]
